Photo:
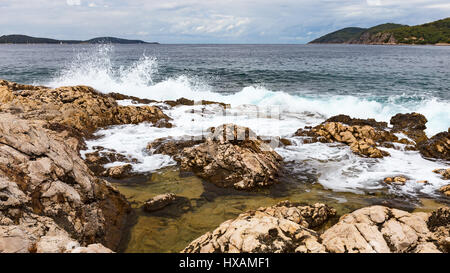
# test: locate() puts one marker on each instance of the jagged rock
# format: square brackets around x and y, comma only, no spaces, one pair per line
[79,107]
[279,229]
[445,190]
[184,101]
[118,172]
[412,125]
[232,156]
[344,119]
[437,147]
[379,229]
[42,178]
[362,139]
[159,202]
[445,173]
[98,159]
[439,224]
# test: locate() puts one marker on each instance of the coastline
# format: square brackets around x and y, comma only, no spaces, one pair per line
[71,124]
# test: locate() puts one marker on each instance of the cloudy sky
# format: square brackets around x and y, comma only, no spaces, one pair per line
[209,21]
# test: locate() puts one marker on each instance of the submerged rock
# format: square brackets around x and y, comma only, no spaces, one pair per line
[47,190]
[159,202]
[232,156]
[279,229]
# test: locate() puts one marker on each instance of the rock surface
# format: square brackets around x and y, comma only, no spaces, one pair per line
[437,146]
[47,190]
[78,107]
[286,228]
[118,172]
[278,229]
[411,124]
[159,202]
[232,156]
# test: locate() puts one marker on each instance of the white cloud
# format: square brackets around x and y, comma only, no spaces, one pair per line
[73,2]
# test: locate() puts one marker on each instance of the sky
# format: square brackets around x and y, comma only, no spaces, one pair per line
[209,21]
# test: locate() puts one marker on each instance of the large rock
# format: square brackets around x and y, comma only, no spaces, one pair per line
[437,146]
[232,156]
[439,224]
[44,182]
[78,107]
[380,229]
[281,228]
[412,125]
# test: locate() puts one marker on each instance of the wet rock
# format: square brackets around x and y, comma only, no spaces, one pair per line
[232,156]
[412,125]
[437,147]
[379,229]
[362,139]
[118,172]
[344,119]
[45,185]
[397,179]
[78,107]
[445,173]
[173,147]
[445,190]
[159,202]
[98,159]
[439,224]
[278,229]
[184,101]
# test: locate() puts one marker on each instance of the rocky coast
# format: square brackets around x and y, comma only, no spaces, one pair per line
[56,197]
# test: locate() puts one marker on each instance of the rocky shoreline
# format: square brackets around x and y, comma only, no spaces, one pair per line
[52,199]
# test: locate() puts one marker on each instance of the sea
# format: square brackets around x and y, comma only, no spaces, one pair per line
[274,90]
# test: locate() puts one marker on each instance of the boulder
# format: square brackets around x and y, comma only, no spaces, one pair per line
[445,173]
[379,229]
[43,181]
[397,179]
[412,125]
[159,202]
[232,156]
[445,190]
[437,146]
[278,229]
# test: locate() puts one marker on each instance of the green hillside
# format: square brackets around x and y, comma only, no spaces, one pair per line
[430,33]
[341,36]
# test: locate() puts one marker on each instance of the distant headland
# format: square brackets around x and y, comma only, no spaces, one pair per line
[23,39]
[434,33]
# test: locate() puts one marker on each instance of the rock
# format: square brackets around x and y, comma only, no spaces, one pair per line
[278,229]
[362,139]
[379,229]
[422,181]
[232,156]
[445,190]
[285,141]
[437,147]
[412,125]
[93,248]
[445,173]
[118,172]
[159,202]
[397,179]
[184,101]
[173,147]
[439,224]
[45,185]
[78,107]
[344,119]
[98,159]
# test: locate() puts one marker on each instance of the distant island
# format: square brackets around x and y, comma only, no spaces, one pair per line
[23,39]
[434,33]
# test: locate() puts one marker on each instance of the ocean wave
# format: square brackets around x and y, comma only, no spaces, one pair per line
[95,68]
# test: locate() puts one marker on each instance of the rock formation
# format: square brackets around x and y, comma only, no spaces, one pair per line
[232,156]
[287,228]
[48,197]
[437,146]
[78,107]
[278,229]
